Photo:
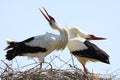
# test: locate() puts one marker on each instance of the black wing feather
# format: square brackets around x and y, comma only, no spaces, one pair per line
[20,48]
[93,52]
[29,39]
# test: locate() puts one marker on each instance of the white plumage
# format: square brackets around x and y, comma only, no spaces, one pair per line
[39,46]
[84,50]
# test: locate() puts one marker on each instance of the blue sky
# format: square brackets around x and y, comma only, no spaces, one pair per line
[21,19]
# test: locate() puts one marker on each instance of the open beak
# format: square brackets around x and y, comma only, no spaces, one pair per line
[46,15]
[92,37]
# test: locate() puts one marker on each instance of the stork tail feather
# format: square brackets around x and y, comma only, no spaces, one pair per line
[12,52]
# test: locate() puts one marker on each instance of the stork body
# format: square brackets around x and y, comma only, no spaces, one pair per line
[80,46]
[38,46]
[34,46]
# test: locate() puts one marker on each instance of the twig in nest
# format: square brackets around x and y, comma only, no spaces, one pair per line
[7,65]
[64,62]
[18,66]
[49,64]
[52,60]
[115,71]
[33,68]
[29,64]
[72,59]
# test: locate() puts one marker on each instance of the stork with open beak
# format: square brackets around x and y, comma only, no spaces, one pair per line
[39,46]
[80,46]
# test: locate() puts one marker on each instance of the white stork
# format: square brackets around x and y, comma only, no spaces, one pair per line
[39,46]
[80,46]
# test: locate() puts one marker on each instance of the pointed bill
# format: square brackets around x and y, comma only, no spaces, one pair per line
[45,15]
[92,37]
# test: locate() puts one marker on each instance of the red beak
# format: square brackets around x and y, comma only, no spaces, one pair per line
[92,37]
[46,15]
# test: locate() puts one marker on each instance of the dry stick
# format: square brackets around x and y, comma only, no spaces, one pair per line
[1,69]
[68,64]
[52,60]
[74,63]
[33,68]
[111,72]
[4,70]
[49,64]
[72,59]
[29,64]
[29,70]
[38,65]
[64,62]
[35,62]
[18,66]
[55,65]
[7,65]
[115,71]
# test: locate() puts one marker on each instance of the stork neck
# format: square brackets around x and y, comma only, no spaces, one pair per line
[72,35]
[59,28]
[63,39]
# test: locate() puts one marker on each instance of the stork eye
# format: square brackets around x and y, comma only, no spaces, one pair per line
[50,23]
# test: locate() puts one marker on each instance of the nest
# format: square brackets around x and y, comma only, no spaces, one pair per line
[8,73]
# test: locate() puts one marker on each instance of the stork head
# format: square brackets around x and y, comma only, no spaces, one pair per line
[49,18]
[74,32]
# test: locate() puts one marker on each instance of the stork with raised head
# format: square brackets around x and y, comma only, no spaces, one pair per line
[39,46]
[80,46]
